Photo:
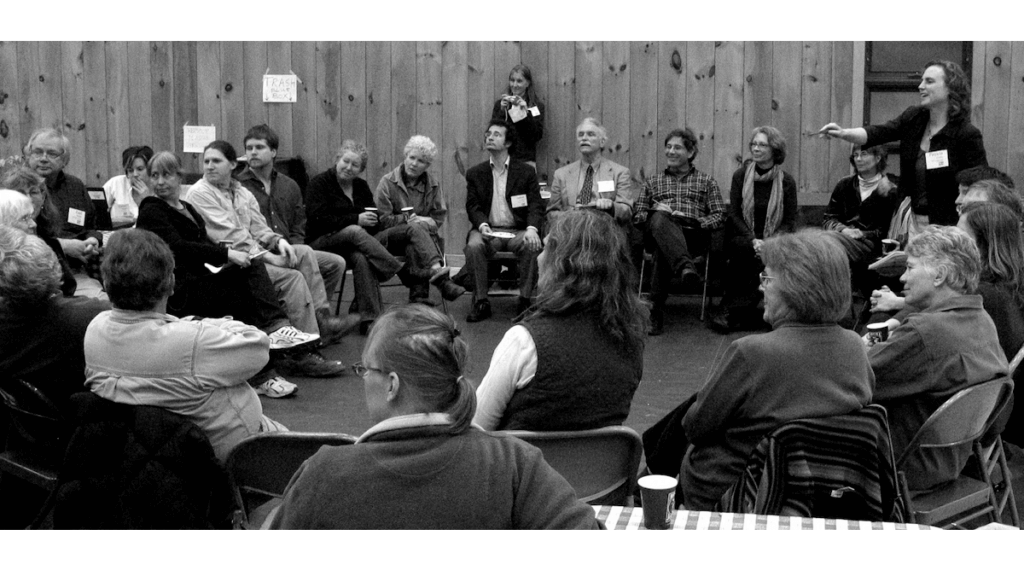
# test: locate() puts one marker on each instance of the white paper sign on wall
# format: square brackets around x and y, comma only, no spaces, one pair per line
[197,137]
[280,87]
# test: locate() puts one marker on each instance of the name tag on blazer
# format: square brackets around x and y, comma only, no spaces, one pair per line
[519,201]
[936,159]
[606,186]
[76,216]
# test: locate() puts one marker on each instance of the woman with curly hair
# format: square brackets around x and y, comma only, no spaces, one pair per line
[576,358]
[937,140]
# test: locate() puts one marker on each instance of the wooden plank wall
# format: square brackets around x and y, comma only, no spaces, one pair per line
[108,95]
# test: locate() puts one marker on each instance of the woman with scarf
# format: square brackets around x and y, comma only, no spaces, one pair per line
[762,205]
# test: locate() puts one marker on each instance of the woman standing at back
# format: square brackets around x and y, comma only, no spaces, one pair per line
[522,108]
[937,140]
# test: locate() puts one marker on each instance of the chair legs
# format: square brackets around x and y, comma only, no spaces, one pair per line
[1000,498]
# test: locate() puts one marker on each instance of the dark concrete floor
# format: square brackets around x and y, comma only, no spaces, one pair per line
[676,364]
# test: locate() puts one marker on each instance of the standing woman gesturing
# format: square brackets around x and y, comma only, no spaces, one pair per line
[937,140]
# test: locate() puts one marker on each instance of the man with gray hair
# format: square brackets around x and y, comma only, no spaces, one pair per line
[48,151]
[592,181]
[949,345]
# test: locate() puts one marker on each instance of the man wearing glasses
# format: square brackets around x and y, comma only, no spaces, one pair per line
[48,151]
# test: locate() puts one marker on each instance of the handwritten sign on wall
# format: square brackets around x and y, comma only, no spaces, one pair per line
[280,88]
[197,137]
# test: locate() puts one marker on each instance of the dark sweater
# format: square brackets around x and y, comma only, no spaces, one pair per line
[329,210]
[762,193]
[46,348]
[424,478]
[964,148]
[585,379]
[529,131]
[763,381]
[871,216]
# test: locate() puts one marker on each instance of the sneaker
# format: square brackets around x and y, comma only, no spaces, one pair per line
[308,363]
[290,337]
[276,387]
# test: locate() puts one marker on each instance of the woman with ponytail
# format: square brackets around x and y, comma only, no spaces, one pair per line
[422,465]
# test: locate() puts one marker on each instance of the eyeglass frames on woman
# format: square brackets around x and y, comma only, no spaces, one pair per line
[361,370]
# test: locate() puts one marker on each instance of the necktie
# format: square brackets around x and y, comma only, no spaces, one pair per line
[588,185]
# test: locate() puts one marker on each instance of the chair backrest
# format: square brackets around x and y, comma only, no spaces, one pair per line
[961,419]
[262,465]
[131,467]
[832,467]
[601,465]
[1015,362]
[34,419]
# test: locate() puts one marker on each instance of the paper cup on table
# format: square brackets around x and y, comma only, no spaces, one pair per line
[370,209]
[878,332]
[889,246]
[658,495]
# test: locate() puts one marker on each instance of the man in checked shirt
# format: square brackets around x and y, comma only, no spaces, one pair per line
[682,206]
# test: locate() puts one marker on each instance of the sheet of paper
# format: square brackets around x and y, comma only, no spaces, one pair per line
[280,88]
[516,113]
[197,137]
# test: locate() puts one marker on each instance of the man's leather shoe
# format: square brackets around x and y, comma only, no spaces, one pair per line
[308,363]
[332,328]
[691,278]
[481,311]
[449,289]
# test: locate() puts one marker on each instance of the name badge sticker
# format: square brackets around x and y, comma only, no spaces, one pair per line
[936,159]
[97,195]
[519,201]
[76,216]
[606,186]
[535,111]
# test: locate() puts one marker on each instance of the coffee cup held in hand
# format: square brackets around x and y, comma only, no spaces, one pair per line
[878,332]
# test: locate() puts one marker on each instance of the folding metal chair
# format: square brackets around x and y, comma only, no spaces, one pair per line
[261,466]
[601,464]
[963,420]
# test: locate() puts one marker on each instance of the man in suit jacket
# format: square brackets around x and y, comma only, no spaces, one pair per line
[502,195]
[592,180]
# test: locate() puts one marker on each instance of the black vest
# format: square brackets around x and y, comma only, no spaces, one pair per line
[585,379]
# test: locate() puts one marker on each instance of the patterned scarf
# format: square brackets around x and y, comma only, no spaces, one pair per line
[774,216]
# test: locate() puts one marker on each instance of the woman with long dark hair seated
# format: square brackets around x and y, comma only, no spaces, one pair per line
[422,465]
[576,358]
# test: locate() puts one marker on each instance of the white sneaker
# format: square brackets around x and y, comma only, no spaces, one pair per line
[289,337]
[276,387]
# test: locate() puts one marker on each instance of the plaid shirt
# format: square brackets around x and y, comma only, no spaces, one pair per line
[695,195]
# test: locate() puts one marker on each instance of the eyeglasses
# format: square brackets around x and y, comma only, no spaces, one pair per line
[360,369]
[765,278]
[861,154]
[759,145]
[51,154]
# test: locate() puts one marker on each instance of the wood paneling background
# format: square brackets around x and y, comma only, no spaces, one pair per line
[108,95]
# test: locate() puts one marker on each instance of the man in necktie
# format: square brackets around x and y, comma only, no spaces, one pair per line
[592,181]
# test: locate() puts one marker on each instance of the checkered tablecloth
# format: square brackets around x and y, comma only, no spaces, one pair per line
[625,518]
